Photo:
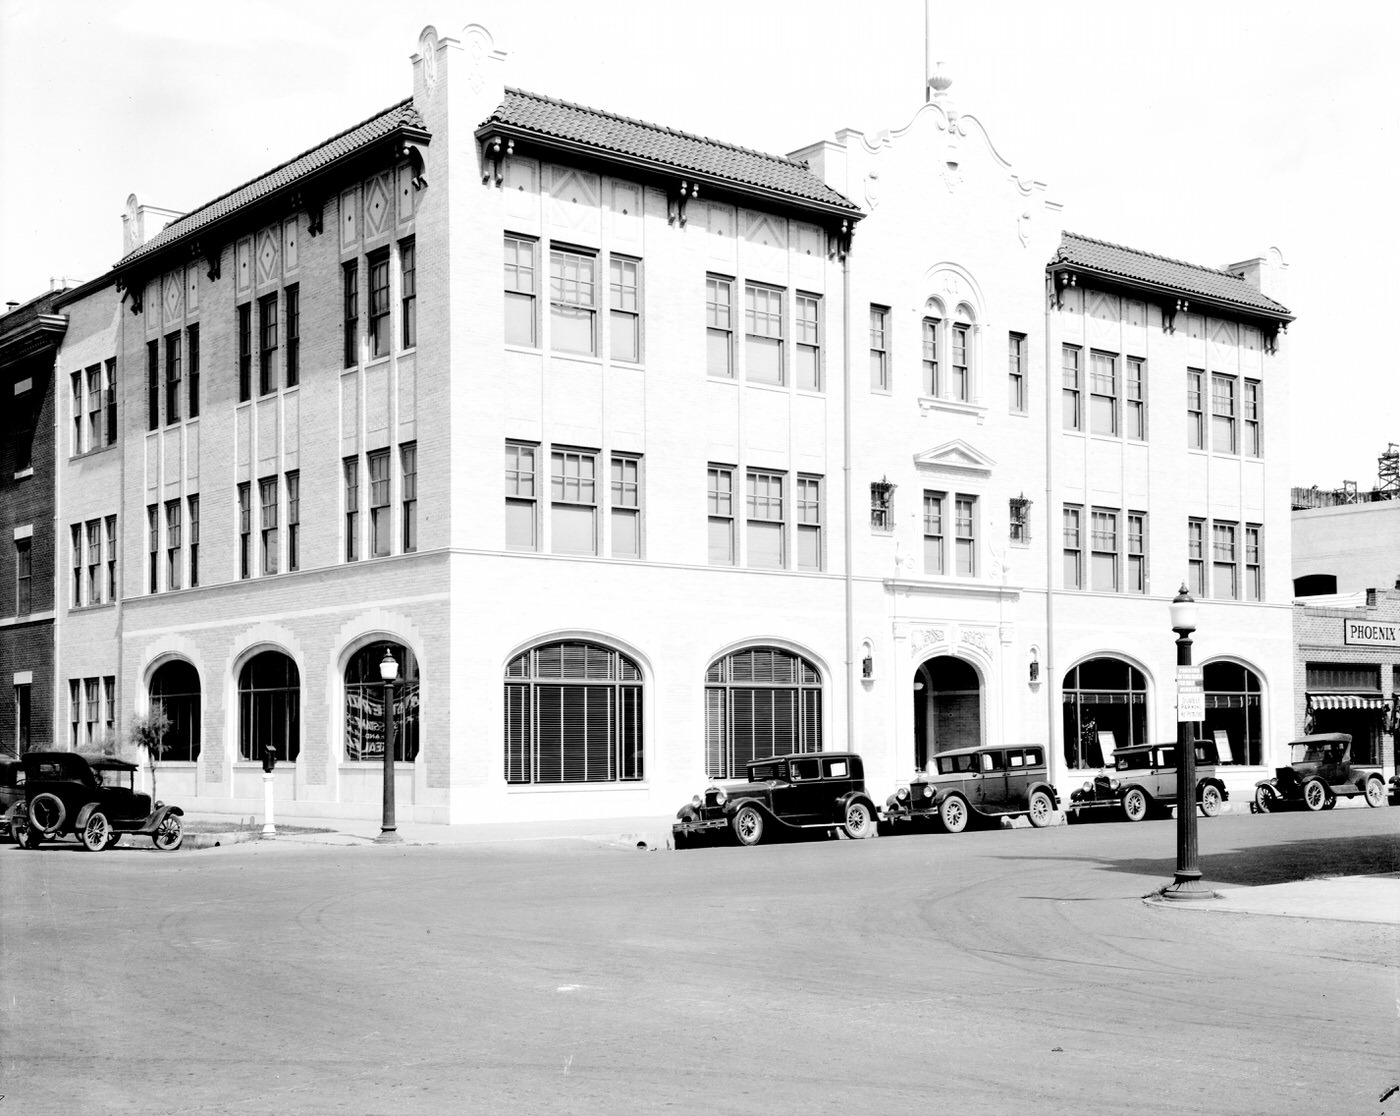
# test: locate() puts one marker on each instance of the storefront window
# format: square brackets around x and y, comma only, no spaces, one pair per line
[1105,707]
[269,707]
[364,704]
[1233,712]
[175,690]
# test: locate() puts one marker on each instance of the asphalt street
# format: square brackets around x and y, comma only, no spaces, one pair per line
[998,972]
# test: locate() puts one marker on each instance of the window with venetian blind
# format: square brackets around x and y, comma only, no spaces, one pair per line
[760,702]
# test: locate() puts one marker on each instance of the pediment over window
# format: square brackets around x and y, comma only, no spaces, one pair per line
[956,456]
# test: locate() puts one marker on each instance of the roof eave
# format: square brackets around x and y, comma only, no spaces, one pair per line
[32,336]
[1195,297]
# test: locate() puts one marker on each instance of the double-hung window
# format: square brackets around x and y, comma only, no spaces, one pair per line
[763,333]
[293,298]
[350,312]
[766,525]
[76,545]
[626,513]
[94,561]
[1103,542]
[1195,409]
[933,380]
[573,494]
[267,498]
[573,301]
[111,528]
[962,362]
[192,344]
[152,548]
[719,326]
[379,332]
[24,576]
[720,503]
[1135,399]
[1223,413]
[408,463]
[193,506]
[965,534]
[294,520]
[1103,393]
[1224,561]
[408,291]
[95,406]
[379,538]
[1253,419]
[879,348]
[1253,562]
[1016,372]
[1073,547]
[521,496]
[808,340]
[245,352]
[1196,556]
[172,382]
[520,292]
[809,523]
[624,310]
[1072,381]
[76,405]
[152,385]
[352,508]
[882,507]
[172,544]
[934,559]
[1137,552]
[267,344]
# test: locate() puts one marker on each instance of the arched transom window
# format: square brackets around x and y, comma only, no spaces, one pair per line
[573,714]
[364,704]
[1105,708]
[269,707]
[175,689]
[760,702]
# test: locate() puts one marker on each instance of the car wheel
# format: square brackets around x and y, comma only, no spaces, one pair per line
[47,813]
[953,813]
[748,825]
[1375,793]
[1042,809]
[1264,800]
[1210,801]
[21,832]
[13,816]
[95,832]
[169,833]
[1314,795]
[859,824]
[1135,805]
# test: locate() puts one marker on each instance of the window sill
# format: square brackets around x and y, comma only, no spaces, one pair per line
[579,358]
[93,452]
[618,787]
[952,406]
[377,360]
[529,350]
[98,607]
[763,385]
[23,473]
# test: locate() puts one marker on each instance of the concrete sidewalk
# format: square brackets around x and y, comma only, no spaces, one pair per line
[1340,898]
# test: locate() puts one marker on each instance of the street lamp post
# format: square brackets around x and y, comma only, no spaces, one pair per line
[388,671]
[1187,885]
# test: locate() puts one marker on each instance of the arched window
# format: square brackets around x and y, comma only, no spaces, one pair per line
[573,715]
[759,703]
[364,704]
[1105,708]
[175,690]
[1233,707]
[269,707]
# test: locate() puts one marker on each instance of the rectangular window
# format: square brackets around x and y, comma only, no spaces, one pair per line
[94,561]
[152,385]
[1253,418]
[350,302]
[293,318]
[521,497]
[1224,561]
[23,722]
[933,379]
[1103,393]
[75,709]
[109,705]
[1072,371]
[965,526]
[764,497]
[1135,400]
[293,480]
[1016,371]
[962,363]
[624,310]
[1195,409]
[76,545]
[809,523]
[573,493]
[76,379]
[1222,414]
[1137,552]
[267,344]
[92,711]
[809,344]
[153,548]
[1018,513]
[520,292]
[24,577]
[379,304]
[879,348]
[573,302]
[173,378]
[720,504]
[1103,542]
[110,399]
[1253,562]
[379,527]
[882,506]
[245,352]
[192,504]
[172,544]
[111,525]
[1196,556]
[267,501]
[408,464]
[96,402]
[763,334]
[719,326]
[626,507]
[408,291]
[245,530]
[1073,547]
[192,346]
[352,509]
[934,549]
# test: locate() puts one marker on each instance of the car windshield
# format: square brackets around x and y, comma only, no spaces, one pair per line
[1305,752]
[113,777]
[1133,761]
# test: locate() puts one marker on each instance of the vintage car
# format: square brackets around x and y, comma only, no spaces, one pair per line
[803,791]
[1395,790]
[11,795]
[92,798]
[1319,772]
[1143,782]
[963,784]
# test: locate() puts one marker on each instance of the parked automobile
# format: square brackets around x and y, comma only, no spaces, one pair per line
[1144,781]
[1395,790]
[1319,772]
[802,791]
[12,801]
[92,798]
[964,784]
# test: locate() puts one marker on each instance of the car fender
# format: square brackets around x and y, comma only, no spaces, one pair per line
[1124,788]
[84,812]
[942,796]
[1272,784]
[1212,781]
[1361,782]
[859,796]
[734,805]
[1048,788]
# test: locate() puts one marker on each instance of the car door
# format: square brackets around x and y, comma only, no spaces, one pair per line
[1018,779]
[991,786]
[799,800]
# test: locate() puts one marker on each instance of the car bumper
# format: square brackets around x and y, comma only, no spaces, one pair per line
[699,825]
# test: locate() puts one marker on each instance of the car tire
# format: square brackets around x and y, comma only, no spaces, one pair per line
[21,832]
[47,813]
[18,810]
[1210,801]
[169,834]
[1265,800]
[95,831]
[954,813]
[747,824]
[1315,794]
[1135,805]
[859,823]
[1041,809]
[1375,793]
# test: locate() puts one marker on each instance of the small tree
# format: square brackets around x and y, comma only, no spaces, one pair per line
[148,732]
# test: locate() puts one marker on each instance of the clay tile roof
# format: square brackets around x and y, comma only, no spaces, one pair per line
[663,147]
[1160,271]
[323,154]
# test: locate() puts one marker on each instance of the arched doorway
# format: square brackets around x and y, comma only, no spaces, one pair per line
[364,704]
[947,707]
[1105,703]
[1233,707]
[175,691]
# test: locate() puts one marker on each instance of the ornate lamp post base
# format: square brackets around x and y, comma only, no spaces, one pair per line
[388,837]
[1187,890]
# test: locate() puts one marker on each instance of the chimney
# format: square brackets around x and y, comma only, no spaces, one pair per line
[1371,595]
[140,223]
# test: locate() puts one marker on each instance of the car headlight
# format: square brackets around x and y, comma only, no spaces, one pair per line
[721,798]
[1087,787]
[902,793]
[1114,784]
[928,791]
[697,801]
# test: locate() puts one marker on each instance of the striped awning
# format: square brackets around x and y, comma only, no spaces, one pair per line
[1346,701]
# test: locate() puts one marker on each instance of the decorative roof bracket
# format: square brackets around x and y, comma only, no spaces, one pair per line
[212,255]
[412,150]
[495,150]
[678,199]
[314,208]
[1169,312]
[839,242]
[1063,281]
[135,289]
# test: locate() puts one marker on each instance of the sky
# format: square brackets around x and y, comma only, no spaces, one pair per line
[1208,132]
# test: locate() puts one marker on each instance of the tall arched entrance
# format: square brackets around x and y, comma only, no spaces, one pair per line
[947,707]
